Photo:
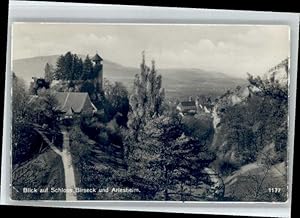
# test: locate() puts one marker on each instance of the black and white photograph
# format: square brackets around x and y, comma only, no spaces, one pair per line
[150,112]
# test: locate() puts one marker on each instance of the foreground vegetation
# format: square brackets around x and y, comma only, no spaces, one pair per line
[137,139]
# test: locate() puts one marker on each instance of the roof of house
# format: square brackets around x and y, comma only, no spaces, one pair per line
[97,58]
[68,102]
[70,112]
[71,101]
[188,104]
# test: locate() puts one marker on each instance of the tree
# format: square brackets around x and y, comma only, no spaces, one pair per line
[42,109]
[68,67]
[78,67]
[260,120]
[116,96]
[146,101]
[81,149]
[87,69]
[60,72]
[89,88]
[269,87]
[28,110]
[38,86]
[199,127]
[20,99]
[273,97]
[169,160]
[49,72]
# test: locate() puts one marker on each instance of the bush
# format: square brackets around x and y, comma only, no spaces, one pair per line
[26,144]
[80,148]
[102,138]
[90,126]
[88,87]
[199,127]
[226,167]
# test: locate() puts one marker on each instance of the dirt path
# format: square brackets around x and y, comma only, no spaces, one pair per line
[217,188]
[67,162]
[216,118]
[68,168]
[45,138]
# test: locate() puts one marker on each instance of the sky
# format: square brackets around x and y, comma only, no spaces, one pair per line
[230,49]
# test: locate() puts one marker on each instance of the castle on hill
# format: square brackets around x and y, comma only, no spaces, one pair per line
[74,96]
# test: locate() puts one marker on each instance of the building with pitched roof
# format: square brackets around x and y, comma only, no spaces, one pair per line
[97,59]
[187,107]
[71,104]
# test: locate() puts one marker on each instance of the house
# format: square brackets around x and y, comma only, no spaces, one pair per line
[71,104]
[187,107]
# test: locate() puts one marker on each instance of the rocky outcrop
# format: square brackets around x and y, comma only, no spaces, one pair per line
[278,73]
[250,138]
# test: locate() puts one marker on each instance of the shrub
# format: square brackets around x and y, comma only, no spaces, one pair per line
[80,148]
[26,144]
[226,167]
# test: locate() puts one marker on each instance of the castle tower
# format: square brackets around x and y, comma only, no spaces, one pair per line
[98,71]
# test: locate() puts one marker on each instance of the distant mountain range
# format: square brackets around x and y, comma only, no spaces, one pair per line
[179,83]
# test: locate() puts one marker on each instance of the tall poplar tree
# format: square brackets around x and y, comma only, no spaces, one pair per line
[87,69]
[49,72]
[146,101]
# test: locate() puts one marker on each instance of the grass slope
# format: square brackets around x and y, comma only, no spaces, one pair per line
[46,170]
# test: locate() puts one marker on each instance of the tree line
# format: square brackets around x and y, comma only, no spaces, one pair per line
[71,67]
[26,111]
[162,156]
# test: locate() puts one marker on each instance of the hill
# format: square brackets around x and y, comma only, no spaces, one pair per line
[179,83]
[34,67]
